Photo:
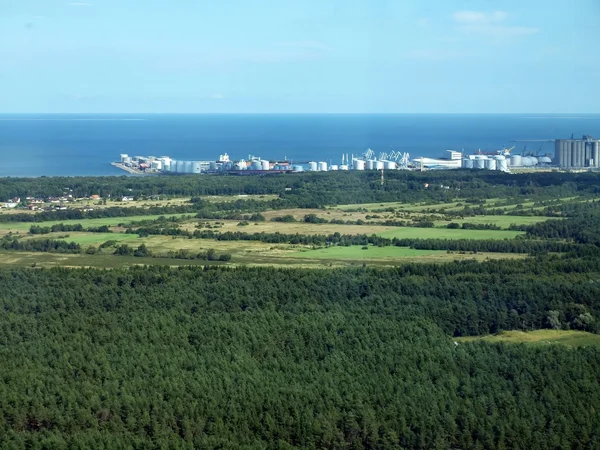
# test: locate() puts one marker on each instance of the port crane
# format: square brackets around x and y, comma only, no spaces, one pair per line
[398,157]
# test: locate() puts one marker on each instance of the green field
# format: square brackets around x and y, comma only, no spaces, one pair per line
[38,259]
[454,205]
[539,337]
[501,221]
[446,233]
[356,252]
[86,239]
[109,221]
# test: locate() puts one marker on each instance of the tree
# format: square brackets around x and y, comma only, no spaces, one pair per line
[553,320]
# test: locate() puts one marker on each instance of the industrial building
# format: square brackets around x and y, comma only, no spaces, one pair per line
[577,153]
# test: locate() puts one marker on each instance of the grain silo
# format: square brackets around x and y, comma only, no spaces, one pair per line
[479,162]
[501,163]
[358,164]
[516,161]
[490,164]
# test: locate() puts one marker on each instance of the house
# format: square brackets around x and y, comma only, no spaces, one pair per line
[95,197]
[126,199]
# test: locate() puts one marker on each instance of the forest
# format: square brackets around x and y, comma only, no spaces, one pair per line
[152,357]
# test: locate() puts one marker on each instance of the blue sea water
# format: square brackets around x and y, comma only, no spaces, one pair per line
[70,145]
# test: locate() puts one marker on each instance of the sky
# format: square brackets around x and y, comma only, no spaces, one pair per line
[302,56]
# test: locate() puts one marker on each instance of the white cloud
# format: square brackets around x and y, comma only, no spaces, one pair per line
[498,31]
[491,24]
[311,45]
[478,17]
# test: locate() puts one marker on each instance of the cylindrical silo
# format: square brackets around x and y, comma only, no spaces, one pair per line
[501,163]
[359,164]
[479,162]
[467,163]
[298,168]
[265,164]
[180,167]
[379,165]
[534,161]
[189,167]
[312,166]
[490,164]
[323,166]
[371,164]
[389,165]
[516,161]
[196,168]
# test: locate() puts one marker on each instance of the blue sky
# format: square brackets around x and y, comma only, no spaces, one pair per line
[381,56]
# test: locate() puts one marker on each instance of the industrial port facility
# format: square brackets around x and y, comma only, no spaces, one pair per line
[569,154]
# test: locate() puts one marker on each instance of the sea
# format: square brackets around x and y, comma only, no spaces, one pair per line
[33,145]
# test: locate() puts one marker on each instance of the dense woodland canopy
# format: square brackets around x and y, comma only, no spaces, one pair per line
[254,358]
[318,189]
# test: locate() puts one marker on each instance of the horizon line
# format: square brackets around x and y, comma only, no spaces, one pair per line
[301,113]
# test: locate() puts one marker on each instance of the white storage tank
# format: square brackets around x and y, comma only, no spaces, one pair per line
[180,167]
[323,166]
[298,168]
[527,161]
[312,166]
[156,165]
[490,164]
[389,165]
[516,161]
[334,167]
[501,163]
[188,167]
[344,167]
[534,161]
[467,163]
[359,164]
[379,165]
[196,167]
[371,164]
[173,166]
[479,162]
[124,157]
[265,164]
